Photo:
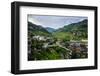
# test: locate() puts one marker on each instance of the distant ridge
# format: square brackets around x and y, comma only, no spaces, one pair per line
[50,29]
[82,25]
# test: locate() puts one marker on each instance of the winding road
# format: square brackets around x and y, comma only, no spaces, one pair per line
[57,44]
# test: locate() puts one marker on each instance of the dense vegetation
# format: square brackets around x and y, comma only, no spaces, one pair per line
[63,43]
[37,30]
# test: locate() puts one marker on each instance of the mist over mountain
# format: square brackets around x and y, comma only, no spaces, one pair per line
[49,29]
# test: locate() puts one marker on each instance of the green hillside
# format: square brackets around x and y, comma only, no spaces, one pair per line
[34,29]
[74,31]
[79,26]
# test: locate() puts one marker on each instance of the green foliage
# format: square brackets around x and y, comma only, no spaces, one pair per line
[37,30]
[75,31]
[82,26]
[63,35]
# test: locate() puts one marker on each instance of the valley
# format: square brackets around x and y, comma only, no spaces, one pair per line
[68,42]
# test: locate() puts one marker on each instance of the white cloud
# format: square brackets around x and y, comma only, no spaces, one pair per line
[33,20]
[54,21]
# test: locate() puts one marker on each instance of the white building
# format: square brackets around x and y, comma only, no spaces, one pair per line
[39,37]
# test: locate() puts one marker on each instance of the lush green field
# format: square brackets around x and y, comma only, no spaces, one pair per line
[67,36]
[63,35]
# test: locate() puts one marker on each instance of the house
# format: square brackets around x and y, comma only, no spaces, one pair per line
[39,37]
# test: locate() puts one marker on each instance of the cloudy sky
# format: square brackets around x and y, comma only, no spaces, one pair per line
[54,21]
